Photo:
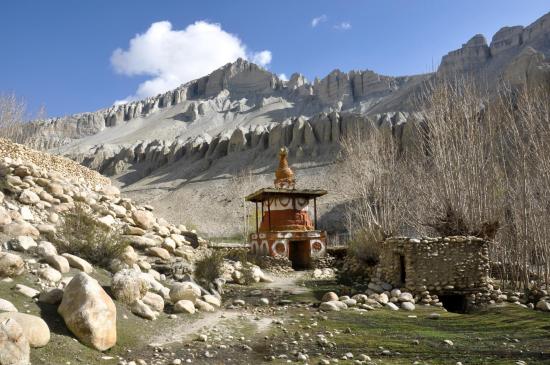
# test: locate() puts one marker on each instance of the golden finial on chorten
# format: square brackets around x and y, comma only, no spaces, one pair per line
[284,177]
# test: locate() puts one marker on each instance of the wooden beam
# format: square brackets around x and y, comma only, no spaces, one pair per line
[315,213]
[257,226]
[269,212]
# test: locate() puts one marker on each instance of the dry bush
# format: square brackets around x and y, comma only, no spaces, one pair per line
[459,190]
[210,267]
[82,235]
[366,246]
[13,112]
[373,176]
[480,165]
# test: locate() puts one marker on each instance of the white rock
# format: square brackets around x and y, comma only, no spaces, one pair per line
[50,274]
[543,305]
[11,265]
[46,248]
[89,312]
[143,310]
[26,213]
[78,263]
[155,301]
[329,296]
[329,306]
[211,299]
[184,306]
[391,306]
[23,243]
[7,306]
[185,291]
[14,346]
[59,263]
[144,219]
[34,328]
[203,306]
[26,291]
[129,285]
[29,197]
[408,306]
[107,220]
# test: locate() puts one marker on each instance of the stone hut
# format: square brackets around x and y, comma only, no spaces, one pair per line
[456,269]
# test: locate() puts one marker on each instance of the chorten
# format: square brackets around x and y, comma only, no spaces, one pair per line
[284,227]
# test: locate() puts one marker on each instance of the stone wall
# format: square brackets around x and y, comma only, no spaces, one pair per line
[450,265]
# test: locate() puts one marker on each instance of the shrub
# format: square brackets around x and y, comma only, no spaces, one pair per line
[82,235]
[209,268]
[365,246]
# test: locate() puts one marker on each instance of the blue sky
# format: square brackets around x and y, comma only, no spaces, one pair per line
[59,53]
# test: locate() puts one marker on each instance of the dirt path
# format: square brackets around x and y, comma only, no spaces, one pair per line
[288,283]
[223,320]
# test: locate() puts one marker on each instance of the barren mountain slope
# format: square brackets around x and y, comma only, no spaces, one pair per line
[183,147]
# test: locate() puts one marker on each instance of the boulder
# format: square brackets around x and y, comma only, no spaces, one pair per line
[158,252]
[22,243]
[78,263]
[26,290]
[408,306]
[405,297]
[59,263]
[330,306]
[329,296]
[155,301]
[21,229]
[11,265]
[391,306]
[14,346]
[129,256]
[185,291]
[144,219]
[543,305]
[34,328]
[89,312]
[139,308]
[46,248]
[184,306]
[212,300]
[141,241]
[203,306]
[129,285]
[29,197]
[5,218]
[50,274]
[7,306]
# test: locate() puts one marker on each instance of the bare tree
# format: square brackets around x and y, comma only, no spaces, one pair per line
[13,113]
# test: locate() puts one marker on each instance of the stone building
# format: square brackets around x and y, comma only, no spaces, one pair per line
[286,229]
[456,269]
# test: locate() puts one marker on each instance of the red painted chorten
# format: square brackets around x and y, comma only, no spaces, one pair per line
[286,227]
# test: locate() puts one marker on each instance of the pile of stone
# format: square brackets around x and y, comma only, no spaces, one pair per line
[394,299]
[33,198]
[243,273]
[51,163]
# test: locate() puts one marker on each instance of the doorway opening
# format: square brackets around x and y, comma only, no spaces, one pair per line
[455,303]
[299,254]
[402,270]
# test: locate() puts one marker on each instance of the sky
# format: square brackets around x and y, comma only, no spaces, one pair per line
[77,56]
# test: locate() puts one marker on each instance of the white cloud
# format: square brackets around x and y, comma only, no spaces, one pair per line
[343,26]
[173,57]
[283,77]
[320,19]
[262,58]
